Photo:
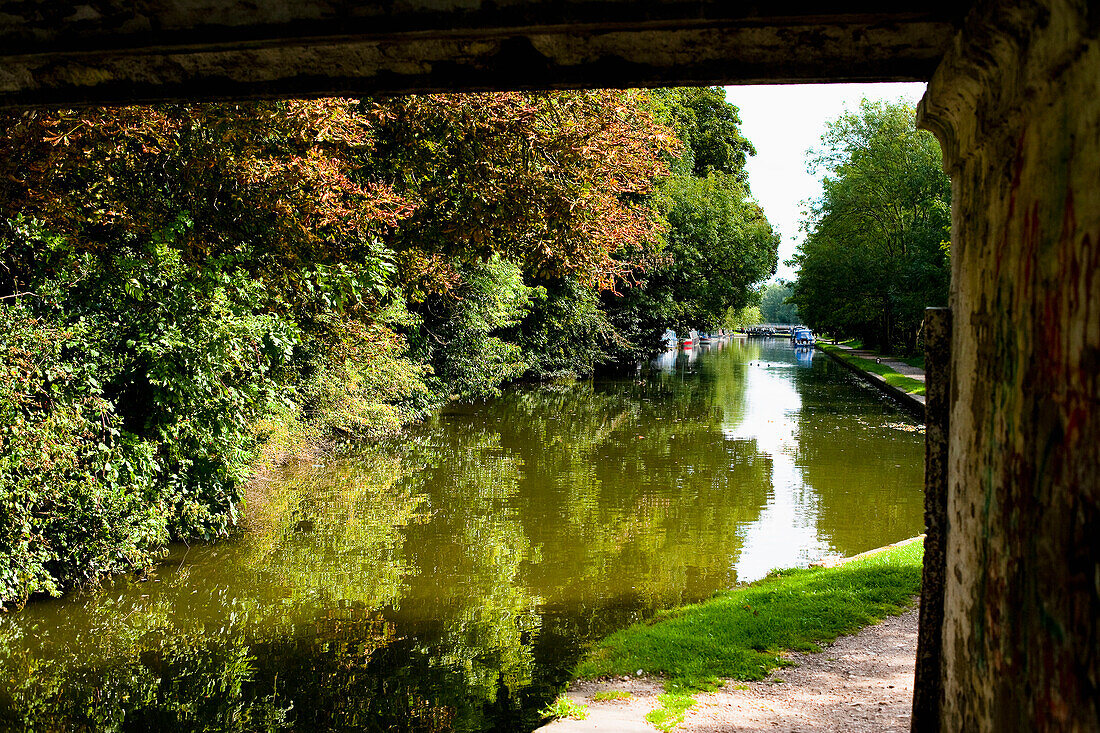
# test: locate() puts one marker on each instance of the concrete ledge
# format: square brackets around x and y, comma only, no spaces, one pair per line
[914,402]
[836,561]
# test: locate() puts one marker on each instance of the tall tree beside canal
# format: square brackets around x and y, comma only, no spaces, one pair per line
[529,206]
[179,282]
[876,249]
[719,244]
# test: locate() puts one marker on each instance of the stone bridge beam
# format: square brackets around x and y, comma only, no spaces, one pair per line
[101,51]
[1016,106]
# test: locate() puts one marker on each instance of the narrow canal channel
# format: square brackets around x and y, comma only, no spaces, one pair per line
[450,580]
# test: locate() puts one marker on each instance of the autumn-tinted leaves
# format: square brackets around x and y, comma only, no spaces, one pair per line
[189,272]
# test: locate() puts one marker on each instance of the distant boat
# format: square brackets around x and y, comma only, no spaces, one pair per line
[802,337]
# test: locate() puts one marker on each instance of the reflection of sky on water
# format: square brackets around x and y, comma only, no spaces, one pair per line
[786,532]
[483,550]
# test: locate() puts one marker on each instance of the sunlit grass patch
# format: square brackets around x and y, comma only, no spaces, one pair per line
[564,707]
[893,378]
[674,705]
[742,634]
[609,695]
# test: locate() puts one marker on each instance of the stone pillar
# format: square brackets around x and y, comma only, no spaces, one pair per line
[928,694]
[1016,106]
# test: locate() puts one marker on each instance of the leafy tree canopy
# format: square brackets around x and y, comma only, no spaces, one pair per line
[555,182]
[709,127]
[175,279]
[718,243]
[876,252]
[774,307]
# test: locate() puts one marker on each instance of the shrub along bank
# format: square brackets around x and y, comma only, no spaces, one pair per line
[181,284]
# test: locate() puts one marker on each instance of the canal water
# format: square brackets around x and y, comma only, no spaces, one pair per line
[450,580]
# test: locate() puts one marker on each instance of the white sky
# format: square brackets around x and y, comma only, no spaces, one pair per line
[783,122]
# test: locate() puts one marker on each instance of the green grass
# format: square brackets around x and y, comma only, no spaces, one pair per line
[563,707]
[854,343]
[902,382]
[742,634]
[913,361]
[612,695]
[674,705]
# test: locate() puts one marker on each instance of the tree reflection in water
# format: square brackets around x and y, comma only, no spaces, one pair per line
[450,580]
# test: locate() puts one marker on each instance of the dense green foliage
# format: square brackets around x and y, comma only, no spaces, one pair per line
[774,304]
[176,279]
[875,254]
[740,634]
[737,318]
[184,271]
[718,245]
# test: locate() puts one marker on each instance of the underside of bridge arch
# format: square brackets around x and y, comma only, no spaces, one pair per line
[1014,100]
[97,51]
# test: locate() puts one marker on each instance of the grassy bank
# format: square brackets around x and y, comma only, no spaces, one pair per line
[893,378]
[913,361]
[742,634]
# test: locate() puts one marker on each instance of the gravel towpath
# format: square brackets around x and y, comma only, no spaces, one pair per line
[898,366]
[860,684]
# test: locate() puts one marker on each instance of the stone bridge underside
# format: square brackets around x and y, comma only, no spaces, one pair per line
[119,50]
[1013,476]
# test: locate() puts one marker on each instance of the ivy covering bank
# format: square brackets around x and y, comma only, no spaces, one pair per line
[183,285]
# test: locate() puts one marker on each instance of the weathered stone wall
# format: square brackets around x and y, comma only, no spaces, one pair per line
[1016,105]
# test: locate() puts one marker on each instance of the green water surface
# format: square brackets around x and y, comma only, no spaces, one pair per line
[449,580]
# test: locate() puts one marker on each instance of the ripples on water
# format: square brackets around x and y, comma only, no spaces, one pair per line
[450,580]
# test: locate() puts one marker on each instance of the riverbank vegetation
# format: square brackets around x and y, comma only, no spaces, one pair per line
[876,252]
[183,285]
[742,634]
[776,306]
[892,376]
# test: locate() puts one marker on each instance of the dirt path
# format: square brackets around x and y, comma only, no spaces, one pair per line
[862,684]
